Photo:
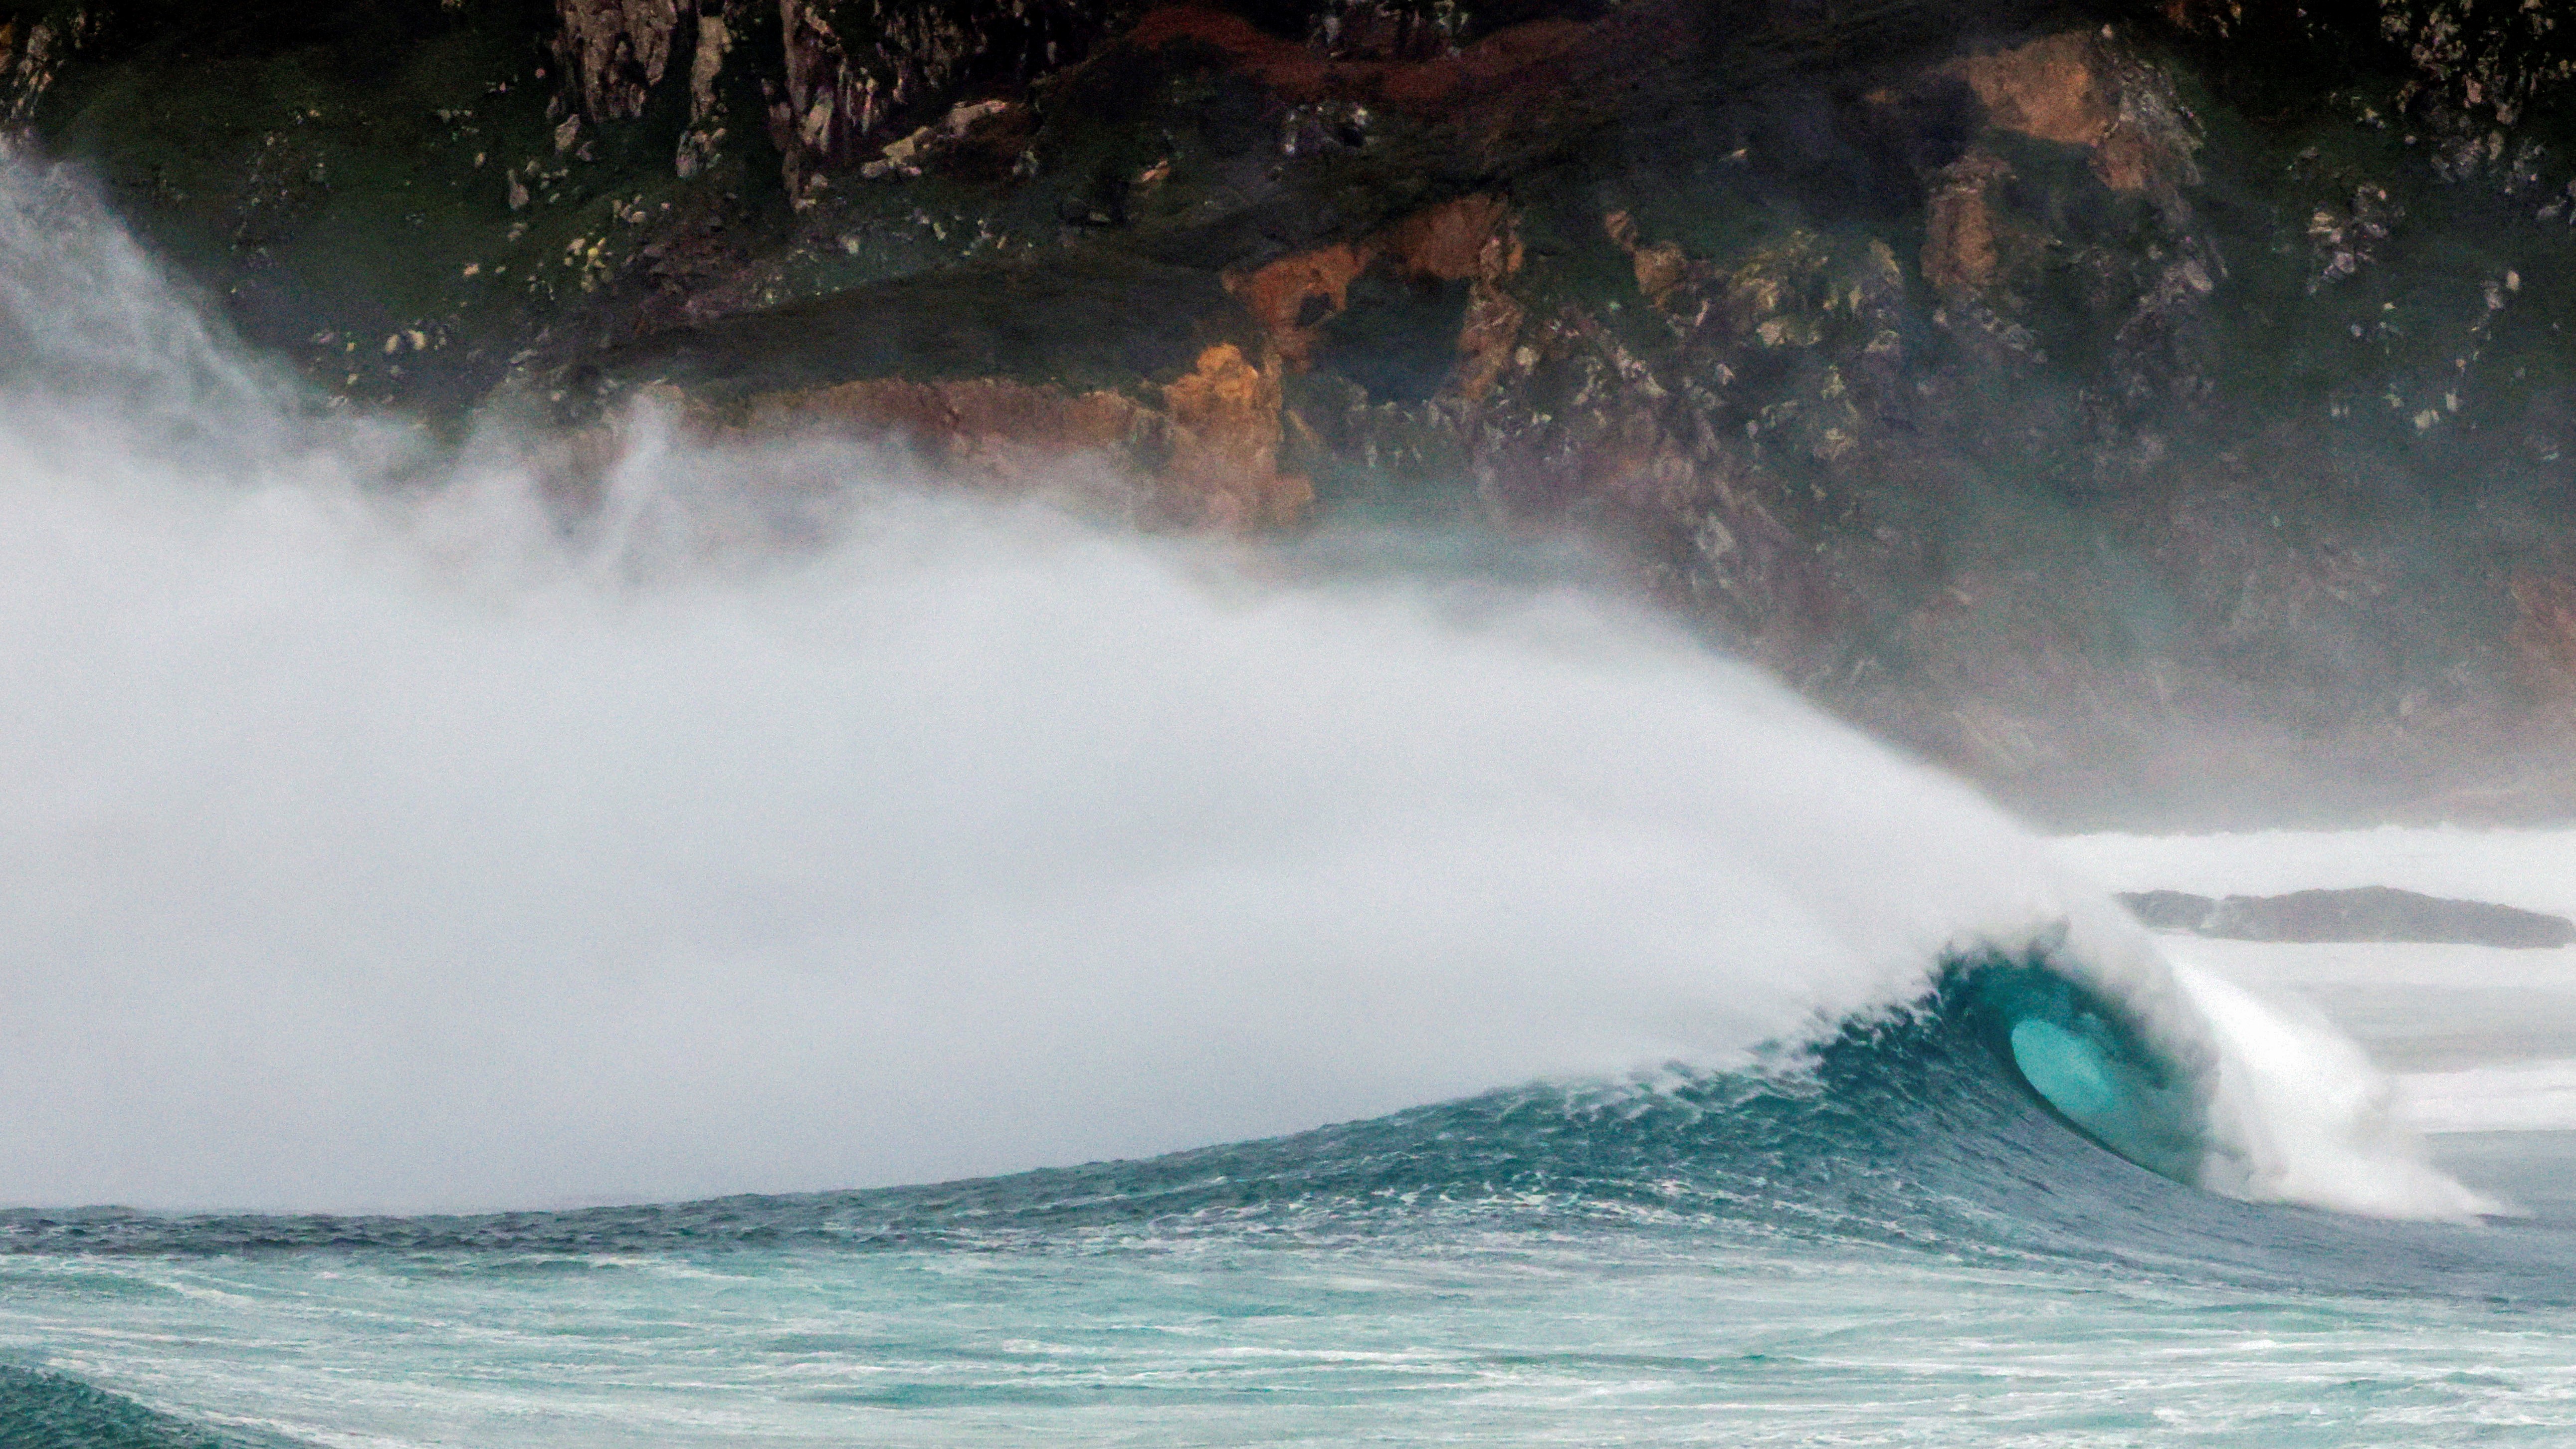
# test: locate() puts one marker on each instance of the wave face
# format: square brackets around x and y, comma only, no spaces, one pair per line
[384,837]
[1896,1242]
[1912,1126]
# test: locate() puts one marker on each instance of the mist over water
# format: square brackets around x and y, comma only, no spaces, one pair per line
[379,837]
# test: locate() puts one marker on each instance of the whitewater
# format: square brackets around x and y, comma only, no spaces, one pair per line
[512,964]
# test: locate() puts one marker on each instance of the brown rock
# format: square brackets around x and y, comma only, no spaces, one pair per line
[698,144]
[1449,242]
[1225,431]
[1290,296]
[2076,89]
[2051,89]
[1466,239]
[1488,336]
[1659,268]
[27,66]
[615,51]
[1208,457]
[2204,17]
[991,431]
[1959,245]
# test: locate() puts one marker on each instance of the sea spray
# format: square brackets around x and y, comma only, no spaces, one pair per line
[379,836]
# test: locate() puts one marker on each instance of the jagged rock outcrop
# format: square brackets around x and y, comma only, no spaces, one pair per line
[615,52]
[33,46]
[836,78]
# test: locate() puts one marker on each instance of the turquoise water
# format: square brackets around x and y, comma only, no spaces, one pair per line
[1892,1242]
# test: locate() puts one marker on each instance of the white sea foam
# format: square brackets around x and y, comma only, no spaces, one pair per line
[393,847]
[2534,869]
[2478,1031]
[2506,1097]
[2308,1117]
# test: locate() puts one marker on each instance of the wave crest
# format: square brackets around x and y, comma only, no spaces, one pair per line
[381,837]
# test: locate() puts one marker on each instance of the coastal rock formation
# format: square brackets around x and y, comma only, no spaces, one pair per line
[2119,403]
[835,79]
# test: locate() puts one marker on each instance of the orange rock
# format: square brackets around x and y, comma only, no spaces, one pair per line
[1659,269]
[1466,239]
[1225,434]
[1282,295]
[2051,89]
[2205,17]
[1208,457]
[2072,89]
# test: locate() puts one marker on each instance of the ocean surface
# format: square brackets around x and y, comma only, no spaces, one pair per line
[1893,1244]
[791,955]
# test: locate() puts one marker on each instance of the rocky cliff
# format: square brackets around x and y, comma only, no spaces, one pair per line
[2154,410]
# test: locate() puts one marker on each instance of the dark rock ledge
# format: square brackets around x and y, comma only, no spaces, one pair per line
[2365,913]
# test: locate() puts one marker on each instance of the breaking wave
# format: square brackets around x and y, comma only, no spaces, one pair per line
[385,835]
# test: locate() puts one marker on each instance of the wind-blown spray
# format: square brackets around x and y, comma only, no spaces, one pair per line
[408,847]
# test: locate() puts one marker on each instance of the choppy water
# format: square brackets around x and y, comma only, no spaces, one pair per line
[380,835]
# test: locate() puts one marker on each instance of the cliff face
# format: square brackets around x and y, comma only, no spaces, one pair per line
[2124,403]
